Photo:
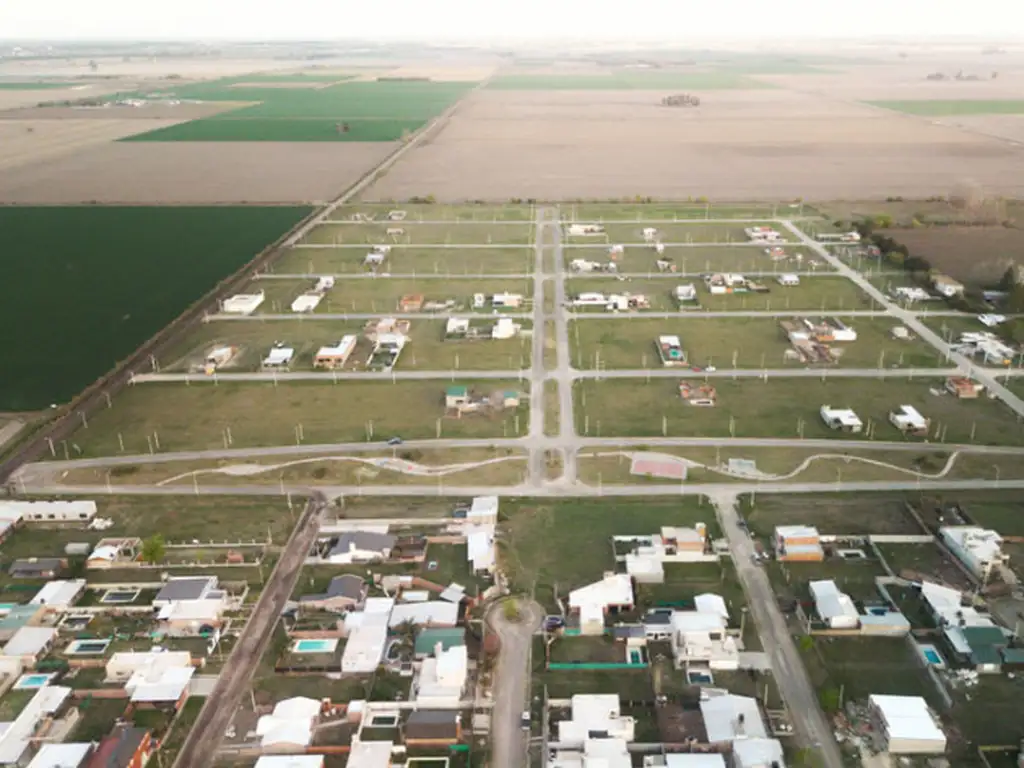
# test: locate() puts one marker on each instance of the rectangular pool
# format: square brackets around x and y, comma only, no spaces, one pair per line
[931,655]
[315,645]
[32,682]
[87,647]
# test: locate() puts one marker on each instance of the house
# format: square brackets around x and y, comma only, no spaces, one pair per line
[905,725]
[729,718]
[374,259]
[834,608]
[650,234]
[242,303]
[762,235]
[979,549]
[507,300]
[370,754]
[278,357]
[431,613]
[685,293]
[909,421]
[596,751]
[843,419]
[217,358]
[700,641]
[483,509]
[37,567]
[456,326]
[910,294]
[671,351]
[112,552]
[17,736]
[307,761]
[48,511]
[758,753]
[306,302]
[186,588]
[963,388]
[335,356]
[788,279]
[375,328]
[344,593]
[946,608]
[323,284]
[290,725]
[161,685]
[456,396]
[361,547]
[645,568]
[590,299]
[613,593]
[430,639]
[984,648]
[577,230]
[191,618]
[58,595]
[726,282]
[594,714]
[947,286]
[14,617]
[367,635]
[71,755]
[432,728]
[993,350]
[411,302]
[480,549]
[442,677]
[505,328]
[797,543]
[124,665]
[695,393]
[386,350]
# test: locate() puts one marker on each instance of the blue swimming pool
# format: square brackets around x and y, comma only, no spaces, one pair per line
[931,655]
[315,645]
[32,682]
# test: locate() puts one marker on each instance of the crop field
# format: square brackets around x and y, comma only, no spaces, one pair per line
[975,255]
[427,350]
[693,259]
[757,342]
[779,406]
[672,232]
[408,260]
[372,111]
[945,107]
[422,234]
[263,414]
[831,294]
[381,294]
[86,285]
[624,80]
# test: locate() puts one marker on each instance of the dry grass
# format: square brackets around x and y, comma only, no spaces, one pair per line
[977,255]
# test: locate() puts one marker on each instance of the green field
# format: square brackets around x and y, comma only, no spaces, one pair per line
[694,259]
[374,111]
[773,408]
[475,233]
[39,86]
[948,107]
[757,342]
[85,285]
[408,260]
[626,81]
[692,231]
[262,414]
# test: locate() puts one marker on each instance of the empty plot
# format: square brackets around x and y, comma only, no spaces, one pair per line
[672,232]
[625,80]
[834,513]
[670,211]
[408,260]
[195,417]
[437,212]
[404,233]
[944,107]
[779,407]
[281,129]
[978,255]
[751,342]
[686,259]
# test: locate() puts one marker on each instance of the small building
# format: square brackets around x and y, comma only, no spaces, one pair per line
[411,302]
[370,754]
[48,511]
[797,543]
[762,235]
[456,326]
[397,215]
[507,300]
[670,350]
[611,594]
[963,388]
[179,588]
[431,613]
[650,234]
[843,419]
[335,356]
[788,279]
[124,665]
[595,713]
[979,549]
[480,548]
[37,568]
[367,636]
[685,293]
[432,728]
[910,294]
[834,608]
[700,641]
[947,286]
[191,618]
[906,726]
[442,676]
[60,594]
[901,333]
[278,357]
[290,725]
[30,644]
[242,303]
[361,547]
[456,396]
[344,593]
[14,617]
[113,552]
[164,687]
[16,736]
[577,230]
[306,302]
[387,348]
[729,718]
[909,421]
[698,394]
[218,357]
[505,328]
[71,755]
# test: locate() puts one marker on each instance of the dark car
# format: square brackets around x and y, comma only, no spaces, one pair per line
[395,441]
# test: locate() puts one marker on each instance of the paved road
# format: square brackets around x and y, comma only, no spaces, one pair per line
[316,316]
[700,313]
[537,403]
[563,372]
[511,683]
[220,706]
[396,276]
[809,722]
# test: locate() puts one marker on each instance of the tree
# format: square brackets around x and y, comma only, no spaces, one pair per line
[806,643]
[154,549]
[829,698]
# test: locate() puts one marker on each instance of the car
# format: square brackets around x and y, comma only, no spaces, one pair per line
[395,441]
[525,720]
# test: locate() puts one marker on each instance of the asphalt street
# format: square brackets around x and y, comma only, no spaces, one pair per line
[511,683]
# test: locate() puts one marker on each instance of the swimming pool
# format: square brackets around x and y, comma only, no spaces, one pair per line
[315,645]
[87,647]
[931,655]
[32,682]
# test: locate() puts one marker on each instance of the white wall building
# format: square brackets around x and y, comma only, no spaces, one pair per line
[700,640]
[242,303]
[367,632]
[16,737]
[60,594]
[835,608]
[595,713]
[48,511]
[442,677]
[979,549]
[843,419]
[614,592]
[290,725]
[908,419]
[906,725]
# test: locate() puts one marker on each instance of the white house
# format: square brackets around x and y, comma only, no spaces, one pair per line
[590,299]
[369,754]
[307,302]
[906,725]
[979,549]
[758,753]
[613,593]
[242,303]
[60,594]
[361,547]
[480,548]
[505,328]
[367,632]
[17,735]
[510,300]
[729,718]
[48,511]
[909,421]
[124,665]
[788,279]
[290,725]
[442,677]
[576,230]
[947,286]
[700,640]
[762,235]
[595,713]
[910,294]
[29,644]
[684,293]
[335,355]
[278,357]
[843,419]
[483,509]
[431,613]
[161,685]
[835,608]
[71,755]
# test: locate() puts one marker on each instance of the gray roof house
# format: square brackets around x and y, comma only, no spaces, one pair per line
[186,588]
[343,593]
[361,547]
[37,567]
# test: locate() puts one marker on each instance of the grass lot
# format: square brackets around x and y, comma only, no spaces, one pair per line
[671,232]
[854,577]
[670,211]
[989,713]
[775,408]
[33,86]
[834,513]
[467,233]
[756,341]
[551,409]
[827,294]
[408,261]
[949,107]
[625,80]
[1001,510]
[96,298]
[541,547]
[383,293]
[427,351]
[926,559]
[639,259]
[195,417]
[439,211]
[282,129]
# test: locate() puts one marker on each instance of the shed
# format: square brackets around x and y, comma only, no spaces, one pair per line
[907,725]
[432,727]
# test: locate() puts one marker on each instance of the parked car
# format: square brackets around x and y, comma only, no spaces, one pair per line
[395,441]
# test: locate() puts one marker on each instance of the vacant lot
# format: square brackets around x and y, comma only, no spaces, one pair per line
[976,255]
[624,80]
[437,212]
[692,259]
[195,417]
[834,513]
[672,211]
[778,407]
[752,342]
[408,260]
[671,232]
[422,234]
[428,349]
[172,173]
[85,286]
[944,107]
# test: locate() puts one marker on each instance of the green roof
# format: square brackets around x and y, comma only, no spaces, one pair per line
[985,644]
[427,639]
[19,616]
[456,390]
[1013,655]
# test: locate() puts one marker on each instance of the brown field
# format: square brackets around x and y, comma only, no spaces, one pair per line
[976,255]
[143,67]
[192,172]
[1009,127]
[768,144]
[177,113]
[15,99]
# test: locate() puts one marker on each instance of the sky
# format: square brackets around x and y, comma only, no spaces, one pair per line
[469,20]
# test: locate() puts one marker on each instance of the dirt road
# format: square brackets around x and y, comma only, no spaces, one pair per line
[511,683]
[220,706]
